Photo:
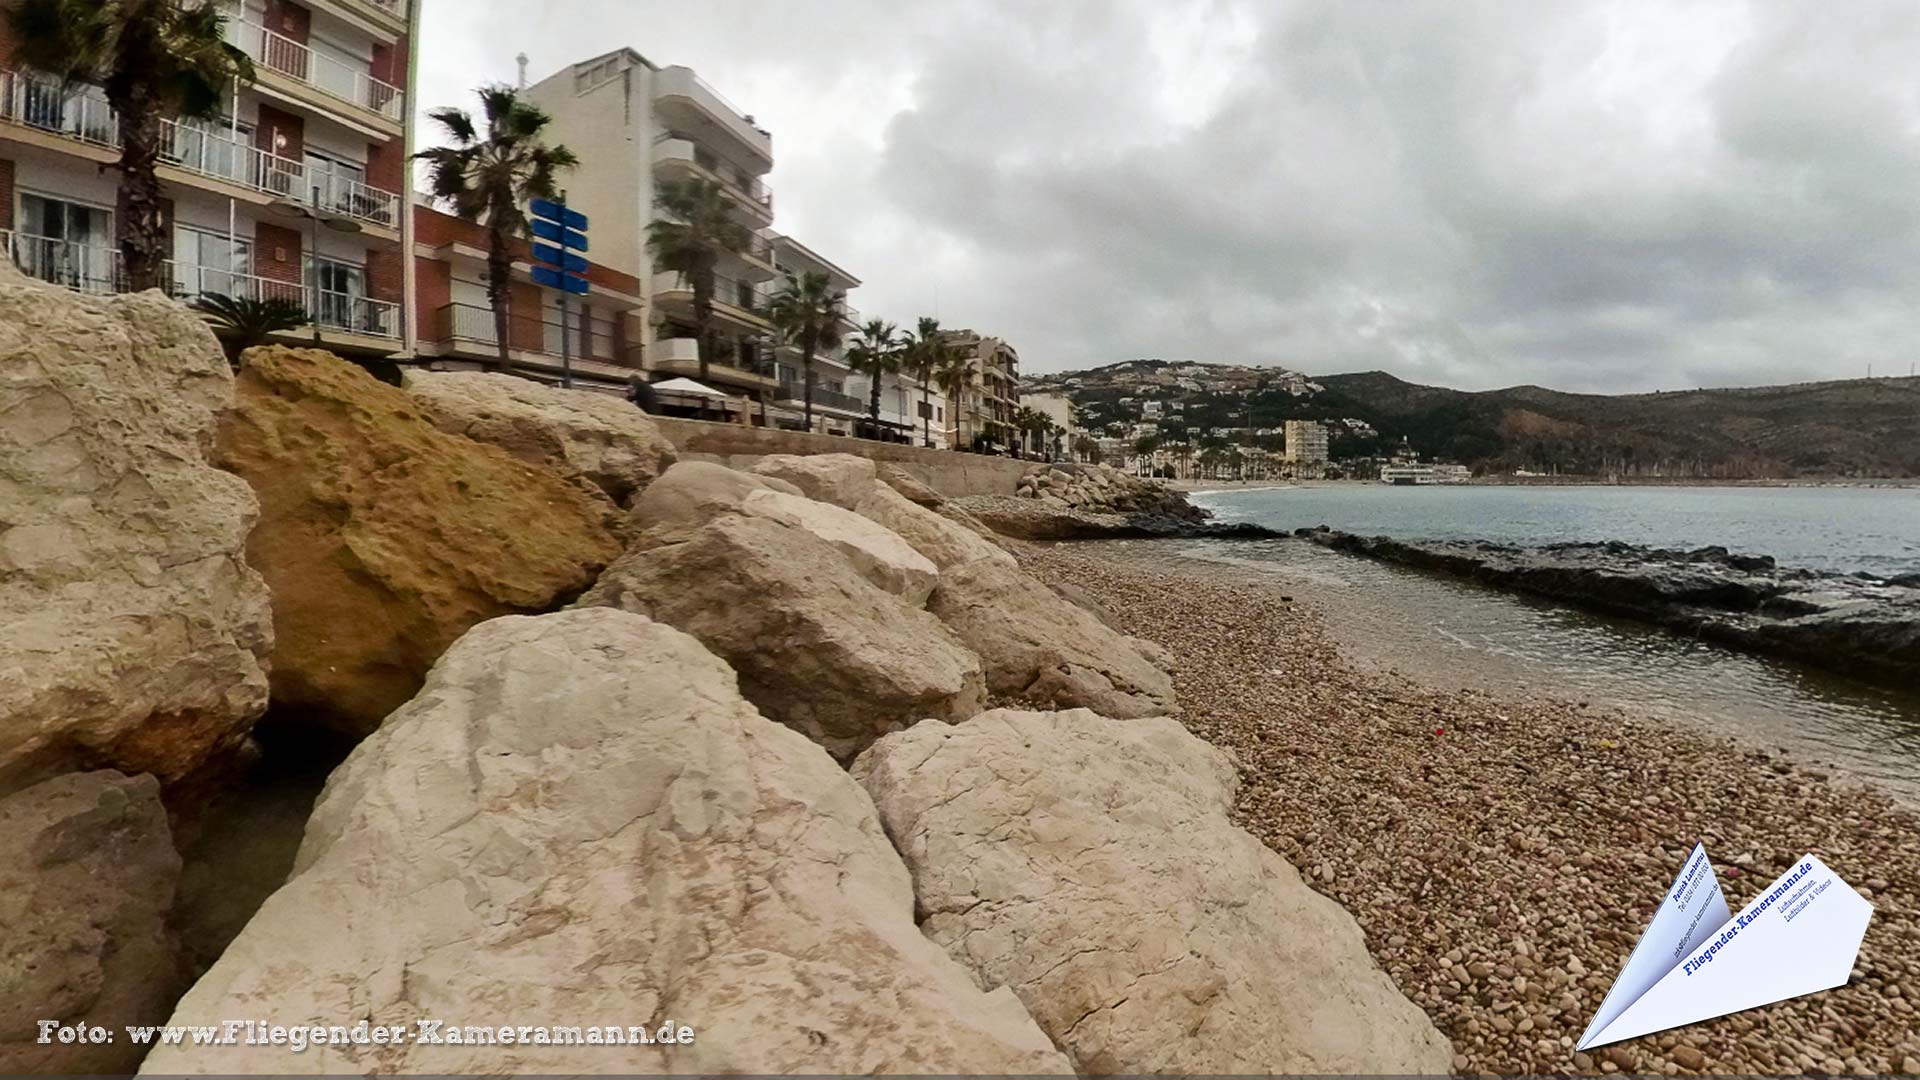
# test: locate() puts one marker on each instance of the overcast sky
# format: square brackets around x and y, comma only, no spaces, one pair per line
[1588,196]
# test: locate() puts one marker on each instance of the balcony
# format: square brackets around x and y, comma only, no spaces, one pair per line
[793,393]
[95,269]
[677,154]
[471,328]
[81,114]
[687,98]
[741,302]
[337,79]
[676,355]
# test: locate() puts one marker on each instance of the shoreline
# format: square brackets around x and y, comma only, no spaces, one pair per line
[1503,853]
[1894,483]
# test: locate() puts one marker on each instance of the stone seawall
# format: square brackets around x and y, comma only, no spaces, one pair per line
[954,475]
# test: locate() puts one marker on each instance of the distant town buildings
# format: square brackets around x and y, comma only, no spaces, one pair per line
[986,408]
[1306,442]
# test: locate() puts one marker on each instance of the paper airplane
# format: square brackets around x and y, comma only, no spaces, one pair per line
[1696,961]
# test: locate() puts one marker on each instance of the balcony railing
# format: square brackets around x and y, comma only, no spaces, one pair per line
[795,393]
[81,114]
[740,295]
[741,184]
[95,268]
[333,77]
[473,324]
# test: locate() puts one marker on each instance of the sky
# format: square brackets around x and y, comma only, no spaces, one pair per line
[1591,196]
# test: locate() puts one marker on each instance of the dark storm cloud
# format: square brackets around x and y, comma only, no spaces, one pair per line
[1589,196]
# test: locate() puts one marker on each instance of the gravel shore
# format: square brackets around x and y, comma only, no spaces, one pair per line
[1503,855]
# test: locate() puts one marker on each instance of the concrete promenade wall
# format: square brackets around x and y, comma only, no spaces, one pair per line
[949,473]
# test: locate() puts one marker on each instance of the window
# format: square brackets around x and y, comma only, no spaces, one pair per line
[214,148]
[67,243]
[211,262]
[339,289]
[336,184]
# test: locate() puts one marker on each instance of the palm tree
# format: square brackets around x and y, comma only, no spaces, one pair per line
[155,59]
[923,355]
[954,373]
[243,322]
[487,178]
[1030,422]
[876,354]
[699,223]
[808,310]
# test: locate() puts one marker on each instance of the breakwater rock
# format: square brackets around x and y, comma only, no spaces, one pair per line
[1859,625]
[1037,519]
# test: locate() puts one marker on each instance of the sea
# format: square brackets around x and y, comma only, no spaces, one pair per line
[1454,633]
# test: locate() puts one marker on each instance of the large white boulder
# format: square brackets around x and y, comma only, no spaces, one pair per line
[602,439]
[883,556]
[579,822]
[817,645]
[841,479]
[692,493]
[1039,647]
[946,543]
[133,634]
[1090,865]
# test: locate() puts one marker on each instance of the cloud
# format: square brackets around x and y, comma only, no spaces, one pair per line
[1603,197]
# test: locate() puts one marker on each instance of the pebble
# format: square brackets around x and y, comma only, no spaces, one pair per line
[1508,842]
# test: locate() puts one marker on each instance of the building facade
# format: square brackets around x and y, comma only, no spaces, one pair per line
[296,192]
[983,412]
[1306,442]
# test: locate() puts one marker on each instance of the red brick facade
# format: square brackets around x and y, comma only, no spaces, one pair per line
[6,193]
[384,273]
[432,290]
[390,62]
[290,127]
[387,165]
[289,20]
[524,330]
[276,252]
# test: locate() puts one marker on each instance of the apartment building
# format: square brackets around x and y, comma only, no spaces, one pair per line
[296,191]
[837,408]
[635,124]
[984,410]
[1306,442]
[457,329]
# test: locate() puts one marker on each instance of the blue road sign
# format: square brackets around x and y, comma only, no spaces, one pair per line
[548,276]
[552,211]
[547,230]
[566,260]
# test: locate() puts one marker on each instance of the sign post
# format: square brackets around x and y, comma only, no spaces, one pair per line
[556,266]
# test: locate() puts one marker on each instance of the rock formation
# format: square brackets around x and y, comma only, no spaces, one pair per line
[881,555]
[132,632]
[602,439]
[840,479]
[945,542]
[1089,864]
[384,538]
[817,646]
[1039,519]
[692,493]
[87,873]
[1038,647]
[909,485]
[1103,489]
[580,821]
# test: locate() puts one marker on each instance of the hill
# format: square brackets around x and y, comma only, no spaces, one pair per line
[1848,428]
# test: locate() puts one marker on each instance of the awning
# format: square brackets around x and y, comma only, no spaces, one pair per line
[684,385]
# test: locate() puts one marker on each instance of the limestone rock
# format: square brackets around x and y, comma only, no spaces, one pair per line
[1038,647]
[1155,653]
[601,438]
[692,493]
[880,554]
[946,543]
[384,538]
[1090,865]
[840,479]
[817,646]
[87,873]
[132,632]
[579,821]
[909,485]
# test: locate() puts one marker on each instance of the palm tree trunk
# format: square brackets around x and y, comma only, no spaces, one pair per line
[806,366]
[926,415]
[873,406]
[499,291]
[703,316]
[141,222]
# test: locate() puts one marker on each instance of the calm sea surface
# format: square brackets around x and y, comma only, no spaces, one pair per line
[1844,529]
[1454,633]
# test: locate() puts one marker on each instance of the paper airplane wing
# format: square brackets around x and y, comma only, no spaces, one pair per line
[1799,936]
[1691,911]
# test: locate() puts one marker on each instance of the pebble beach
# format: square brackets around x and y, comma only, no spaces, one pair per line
[1502,854]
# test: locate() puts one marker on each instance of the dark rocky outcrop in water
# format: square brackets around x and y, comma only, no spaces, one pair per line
[1032,519]
[1862,626]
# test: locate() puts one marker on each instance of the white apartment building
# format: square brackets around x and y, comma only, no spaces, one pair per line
[296,191]
[1306,442]
[635,124]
